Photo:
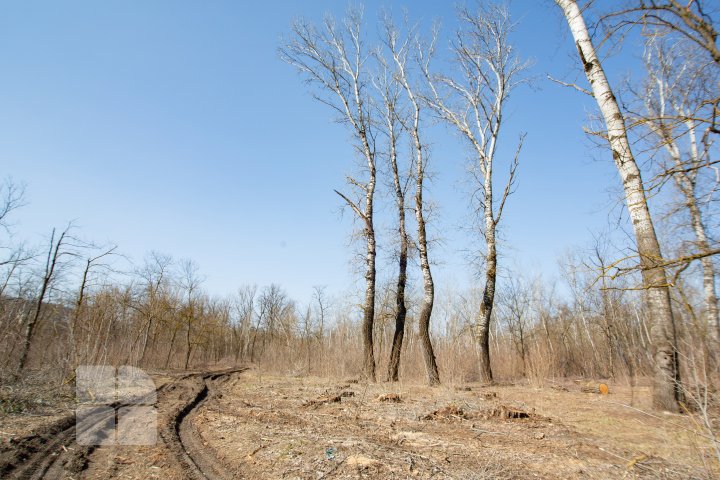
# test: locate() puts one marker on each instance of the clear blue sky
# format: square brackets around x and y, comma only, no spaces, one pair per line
[173,126]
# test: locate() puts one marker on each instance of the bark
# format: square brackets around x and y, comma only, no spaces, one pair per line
[488,298]
[486,307]
[685,182]
[400,307]
[369,308]
[426,308]
[667,391]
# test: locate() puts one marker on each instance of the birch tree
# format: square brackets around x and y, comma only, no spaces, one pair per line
[335,60]
[473,103]
[401,51]
[390,113]
[670,98]
[667,391]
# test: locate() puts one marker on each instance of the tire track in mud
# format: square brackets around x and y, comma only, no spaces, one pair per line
[199,461]
[54,453]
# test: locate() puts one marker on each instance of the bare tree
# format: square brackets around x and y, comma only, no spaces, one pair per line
[154,275]
[675,85]
[692,20]
[401,49]
[58,248]
[473,103]
[515,309]
[335,59]
[667,391]
[320,298]
[12,197]
[390,111]
[244,306]
[190,281]
[14,256]
[91,263]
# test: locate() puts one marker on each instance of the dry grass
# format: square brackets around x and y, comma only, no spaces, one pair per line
[279,427]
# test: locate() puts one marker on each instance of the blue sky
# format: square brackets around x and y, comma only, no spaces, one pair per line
[174,126]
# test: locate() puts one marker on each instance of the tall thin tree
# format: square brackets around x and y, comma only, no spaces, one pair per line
[473,103]
[335,59]
[401,51]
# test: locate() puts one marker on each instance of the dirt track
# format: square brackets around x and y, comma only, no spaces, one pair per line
[55,453]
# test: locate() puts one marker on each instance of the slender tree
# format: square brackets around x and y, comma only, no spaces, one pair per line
[335,59]
[473,104]
[675,85]
[58,248]
[190,281]
[401,51]
[390,111]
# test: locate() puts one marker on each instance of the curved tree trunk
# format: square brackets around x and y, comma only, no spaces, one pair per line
[667,392]
[400,315]
[474,106]
[431,368]
[483,326]
[400,308]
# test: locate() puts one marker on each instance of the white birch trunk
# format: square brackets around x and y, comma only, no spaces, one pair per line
[666,381]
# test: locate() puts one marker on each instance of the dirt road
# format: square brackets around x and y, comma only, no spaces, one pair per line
[55,453]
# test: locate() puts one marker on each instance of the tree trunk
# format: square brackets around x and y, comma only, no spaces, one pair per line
[483,330]
[488,299]
[667,391]
[189,345]
[369,308]
[146,340]
[400,308]
[428,286]
[170,349]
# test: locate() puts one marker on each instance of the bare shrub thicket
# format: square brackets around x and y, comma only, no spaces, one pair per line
[157,318]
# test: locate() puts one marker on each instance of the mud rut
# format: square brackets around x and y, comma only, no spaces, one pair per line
[54,453]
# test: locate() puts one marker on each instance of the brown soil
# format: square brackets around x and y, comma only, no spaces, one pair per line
[222,425]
